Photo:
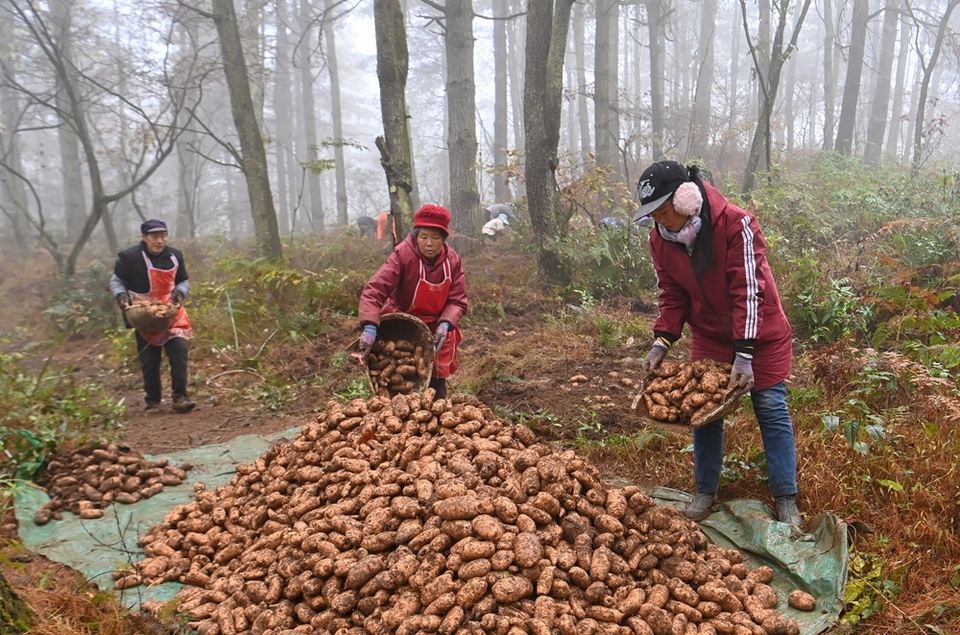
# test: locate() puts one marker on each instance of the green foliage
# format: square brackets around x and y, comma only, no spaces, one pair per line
[357,389]
[80,307]
[44,411]
[868,590]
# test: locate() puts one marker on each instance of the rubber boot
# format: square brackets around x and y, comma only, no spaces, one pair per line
[700,507]
[787,511]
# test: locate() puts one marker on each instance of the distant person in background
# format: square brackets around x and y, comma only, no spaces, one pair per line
[501,209]
[385,221]
[423,277]
[366,226]
[495,228]
[152,270]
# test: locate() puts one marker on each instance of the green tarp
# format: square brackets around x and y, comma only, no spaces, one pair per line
[815,562]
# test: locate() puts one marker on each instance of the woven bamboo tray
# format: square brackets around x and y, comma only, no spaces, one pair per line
[403,326]
[732,400]
[150,317]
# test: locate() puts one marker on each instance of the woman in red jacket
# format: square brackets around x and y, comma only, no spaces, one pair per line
[713,274]
[423,277]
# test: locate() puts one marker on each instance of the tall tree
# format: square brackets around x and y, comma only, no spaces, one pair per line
[283,107]
[829,75]
[928,66]
[700,132]
[846,125]
[655,25]
[13,191]
[896,120]
[312,166]
[394,145]
[605,77]
[768,71]
[583,110]
[252,156]
[547,26]
[501,120]
[333,68]
[461,114]
[881,93]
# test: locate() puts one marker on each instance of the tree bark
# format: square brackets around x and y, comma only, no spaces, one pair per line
[605,65]
[311,173]
[547,26]
[657,77]
[829,75]
[928,70]
[252,153]
[851,85]
[583,108]
[13,191]
[15,615]
[501,121]
[462,117]
[896,120]
[768,72]
[881,95]
[700,133]
[392,61]
[283,105]
[329,32]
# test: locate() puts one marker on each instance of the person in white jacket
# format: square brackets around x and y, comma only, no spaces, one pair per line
[495,228]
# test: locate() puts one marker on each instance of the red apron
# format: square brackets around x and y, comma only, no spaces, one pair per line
[428,303]
[162,283]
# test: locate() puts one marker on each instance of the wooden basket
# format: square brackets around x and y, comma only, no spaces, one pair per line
[151,317]
[732,400]
[403,326]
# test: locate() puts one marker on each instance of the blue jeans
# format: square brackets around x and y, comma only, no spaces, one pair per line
[776,429]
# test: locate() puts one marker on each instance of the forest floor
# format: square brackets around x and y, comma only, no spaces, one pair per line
[568,388]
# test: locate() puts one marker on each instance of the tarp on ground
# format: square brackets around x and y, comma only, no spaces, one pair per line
[815,562]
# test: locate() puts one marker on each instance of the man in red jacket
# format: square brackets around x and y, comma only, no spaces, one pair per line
[713,274]
[423,277]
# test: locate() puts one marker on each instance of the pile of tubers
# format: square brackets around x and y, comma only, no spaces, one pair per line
[90,478]
[421,515]
[684,392]
[396,367]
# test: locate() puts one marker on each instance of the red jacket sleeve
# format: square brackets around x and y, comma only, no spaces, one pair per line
[379,288]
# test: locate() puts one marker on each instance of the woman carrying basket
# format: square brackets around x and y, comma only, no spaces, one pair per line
[713,274]
[422,277]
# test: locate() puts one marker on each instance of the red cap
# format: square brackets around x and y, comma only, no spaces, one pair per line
[433,216]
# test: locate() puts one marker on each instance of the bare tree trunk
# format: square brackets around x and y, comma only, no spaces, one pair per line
[605,81]
[881,95]
[583,109]
[283,106]
[312,175]
[657,77]
[896,120]
[462,117]
[186,226]
[392,60]
[515,44]
[329,32]
[547,26]
[13,191]
[700,134]
[249,25]
[253,155]
[74,196]
[768,71]
[789,118]
[851,85]
[501,123]
[829,75]
[928,70]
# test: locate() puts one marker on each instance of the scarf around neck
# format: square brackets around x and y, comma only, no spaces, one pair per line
[686,235]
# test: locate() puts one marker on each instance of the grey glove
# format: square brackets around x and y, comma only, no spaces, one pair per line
[123,300]
[654,357]
[176,298]
[367,338]
[742,372]
[440,337]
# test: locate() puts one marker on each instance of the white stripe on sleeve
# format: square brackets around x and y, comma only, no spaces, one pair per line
[750,271]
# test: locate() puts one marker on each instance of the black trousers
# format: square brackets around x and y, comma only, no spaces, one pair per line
[150,356]
[439,385]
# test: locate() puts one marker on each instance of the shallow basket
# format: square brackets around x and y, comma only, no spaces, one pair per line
[403,326]
[732,401]
[146,322]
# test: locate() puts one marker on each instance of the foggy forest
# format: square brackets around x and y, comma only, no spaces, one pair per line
[116,112]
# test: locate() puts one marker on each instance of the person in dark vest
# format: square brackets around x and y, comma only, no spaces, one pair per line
[711,263]
[152,270]
[366,226]
[423,277]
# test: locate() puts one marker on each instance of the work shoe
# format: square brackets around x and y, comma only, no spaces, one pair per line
[152,405]
[700,507]
[183,404]
[787,511]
